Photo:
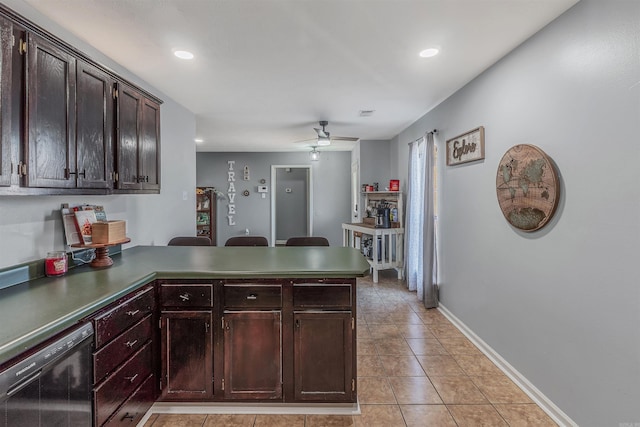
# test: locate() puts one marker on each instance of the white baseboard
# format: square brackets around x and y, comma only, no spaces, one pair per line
[536,395]
[251,408]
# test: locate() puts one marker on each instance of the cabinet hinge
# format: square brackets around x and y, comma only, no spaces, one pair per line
[22,47]
[223,384]
[353,323]
[13,40]
[222,321]
[160,323]
[353,384]
[160,385]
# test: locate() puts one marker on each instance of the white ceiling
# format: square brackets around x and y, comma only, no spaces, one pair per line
[266,71]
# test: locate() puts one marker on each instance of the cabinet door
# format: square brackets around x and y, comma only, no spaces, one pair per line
[6,32]
[187,358]
[51,84]
[128,137]
[323,356]
[150,145]
[252,355]
[94,127]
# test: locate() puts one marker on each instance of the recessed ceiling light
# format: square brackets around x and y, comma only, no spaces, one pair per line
[199,140]
[428,53]
[183,54]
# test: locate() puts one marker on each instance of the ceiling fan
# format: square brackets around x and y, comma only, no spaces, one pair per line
[324,137]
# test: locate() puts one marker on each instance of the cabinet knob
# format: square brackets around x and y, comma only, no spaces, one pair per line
[185,297]
[133,312]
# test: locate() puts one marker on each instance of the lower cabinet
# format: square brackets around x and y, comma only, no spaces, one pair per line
[323,359]
[257,340]
[187,359]
[252,355]
[124,359]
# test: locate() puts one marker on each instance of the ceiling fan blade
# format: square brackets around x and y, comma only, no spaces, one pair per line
[344,138]
[310,141]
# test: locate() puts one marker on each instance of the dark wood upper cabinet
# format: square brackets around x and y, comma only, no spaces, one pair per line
[6,34]
[150,145]
[94,127]
[63,127]
[138,140]
[51,88]
[128,106]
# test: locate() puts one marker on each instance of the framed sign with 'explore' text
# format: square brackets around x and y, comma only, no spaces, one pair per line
[467,147]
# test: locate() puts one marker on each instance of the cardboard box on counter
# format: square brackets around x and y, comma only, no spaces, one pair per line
[109,231]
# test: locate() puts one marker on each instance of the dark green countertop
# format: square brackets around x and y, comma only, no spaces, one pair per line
[34,311]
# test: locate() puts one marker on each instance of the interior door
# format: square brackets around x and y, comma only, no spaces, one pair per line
[291,202]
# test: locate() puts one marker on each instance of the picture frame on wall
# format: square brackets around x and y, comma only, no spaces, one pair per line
[465,148]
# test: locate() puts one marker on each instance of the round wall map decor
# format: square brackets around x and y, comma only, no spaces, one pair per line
[527,186]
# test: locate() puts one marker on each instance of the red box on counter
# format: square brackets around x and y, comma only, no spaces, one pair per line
[394,185]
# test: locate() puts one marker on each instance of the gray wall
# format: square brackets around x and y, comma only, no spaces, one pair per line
[375,163]
[331,191]
[30,226]
[561,305]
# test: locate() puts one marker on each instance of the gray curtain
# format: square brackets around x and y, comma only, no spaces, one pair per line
[429,255]
[420,238]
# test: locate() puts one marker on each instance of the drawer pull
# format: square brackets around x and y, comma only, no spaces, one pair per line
[185,297]
[252,296]
[131,379]
[133,313]
[131,343]
[127,416]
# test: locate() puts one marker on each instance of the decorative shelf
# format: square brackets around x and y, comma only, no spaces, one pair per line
[102,258]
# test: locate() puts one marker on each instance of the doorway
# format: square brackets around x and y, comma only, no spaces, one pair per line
[291,202]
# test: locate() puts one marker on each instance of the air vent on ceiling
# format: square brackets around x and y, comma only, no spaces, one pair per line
[366,113]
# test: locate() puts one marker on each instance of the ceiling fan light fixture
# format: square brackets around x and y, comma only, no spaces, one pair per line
[314,155]
[323,141]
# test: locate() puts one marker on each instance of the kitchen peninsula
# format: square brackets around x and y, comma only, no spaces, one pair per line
[223,323]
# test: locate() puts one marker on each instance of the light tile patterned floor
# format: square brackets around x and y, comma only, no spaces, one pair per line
[414,369]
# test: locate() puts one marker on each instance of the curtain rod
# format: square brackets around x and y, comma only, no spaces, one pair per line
[433,132]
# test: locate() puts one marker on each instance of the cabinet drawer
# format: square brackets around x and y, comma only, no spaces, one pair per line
[113,354]
[252,296]
[134,408]
[110,324]
[319,296]
[185,295]
[119,386]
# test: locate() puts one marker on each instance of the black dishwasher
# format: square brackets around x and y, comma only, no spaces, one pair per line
[52,386]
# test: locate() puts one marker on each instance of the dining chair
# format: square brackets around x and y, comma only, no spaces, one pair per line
[190,241]
[247,241]
[307,241]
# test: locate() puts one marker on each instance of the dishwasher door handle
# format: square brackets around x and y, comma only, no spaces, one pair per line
[23,383]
